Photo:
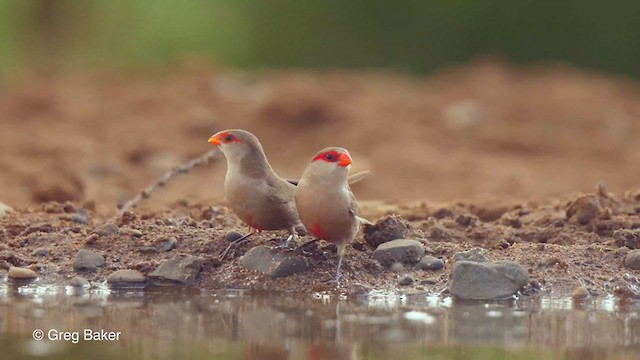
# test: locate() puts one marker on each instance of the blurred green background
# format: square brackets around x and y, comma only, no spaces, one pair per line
[406,35]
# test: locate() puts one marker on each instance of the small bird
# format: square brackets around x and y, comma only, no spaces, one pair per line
[255,193]
[325,202]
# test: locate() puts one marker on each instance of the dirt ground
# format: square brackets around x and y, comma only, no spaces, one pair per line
[486,155]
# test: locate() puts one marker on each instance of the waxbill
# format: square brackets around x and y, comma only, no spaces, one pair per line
[254,192]
[325,202]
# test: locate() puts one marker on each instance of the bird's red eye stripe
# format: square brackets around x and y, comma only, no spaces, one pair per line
[228,137]
[329,156]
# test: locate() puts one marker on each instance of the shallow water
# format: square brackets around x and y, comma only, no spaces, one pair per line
[185,323]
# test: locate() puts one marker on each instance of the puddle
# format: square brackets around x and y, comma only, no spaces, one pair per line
[186,323]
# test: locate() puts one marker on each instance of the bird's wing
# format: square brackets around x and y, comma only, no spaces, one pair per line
[280,191]
[354,209]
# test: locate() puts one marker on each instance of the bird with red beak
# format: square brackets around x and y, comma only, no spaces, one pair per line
[325,202]
[254,192]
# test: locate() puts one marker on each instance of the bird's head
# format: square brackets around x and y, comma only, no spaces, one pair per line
[236,144]
[331,162]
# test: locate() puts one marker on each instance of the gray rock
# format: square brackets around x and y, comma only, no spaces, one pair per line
[389,228]
[273,263]
[179,271]
[475,255]
[40,252]
[125,277]
[401,250]
[88,260]
[107,229]
[486,280]
[148,250]
[406,280]
[430,263]
[4,209]
[18,273]
[169,244]
[632,260]
[79,281]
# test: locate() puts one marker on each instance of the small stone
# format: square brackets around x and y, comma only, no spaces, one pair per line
[397,267]
[148,250]
[486,280]
[39,252]
[429,281]
[79,218]
[406,280]
[386,229]
[401,250]
[107,229]
[78,281]
[88,260]
[168,222]
[136,233]
[4,209]
[273,263]
[430,263]
[475,255]
[632,260]
[232,236]
[92,239]
[179,271]
[628,238]
[584,209]
[630,278]
[18,273]
[169,244]
[581,292]
[123,277]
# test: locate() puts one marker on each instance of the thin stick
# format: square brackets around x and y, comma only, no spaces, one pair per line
[179,170]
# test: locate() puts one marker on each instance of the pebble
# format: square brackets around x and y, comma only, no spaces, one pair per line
[81,217]
[88,260]
[397,267]
[78,281]
[123,277]
[486,280]
[474,255]
[178,271]
[169,244]
[406,280]
[232,236]
[273,263]
[401,250]
[18,273]
[429,262]
[107,229]
[4,209]
[632,260]
[630,278]
[581,292]
[389,228]
[39,252]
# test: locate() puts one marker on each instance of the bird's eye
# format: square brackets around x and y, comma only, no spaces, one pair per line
[329,156]
[228,138]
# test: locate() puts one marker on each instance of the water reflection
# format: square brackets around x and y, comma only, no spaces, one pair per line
[182,323]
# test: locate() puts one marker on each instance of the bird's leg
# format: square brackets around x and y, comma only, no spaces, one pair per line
[235,243]
[338,269]
[293,238]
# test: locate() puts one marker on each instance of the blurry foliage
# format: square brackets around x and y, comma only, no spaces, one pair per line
[413,35]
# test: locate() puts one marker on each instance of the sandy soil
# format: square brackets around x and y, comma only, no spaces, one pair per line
[482,155]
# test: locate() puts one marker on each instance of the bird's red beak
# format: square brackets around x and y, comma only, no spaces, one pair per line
[215,140]
[344,159]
